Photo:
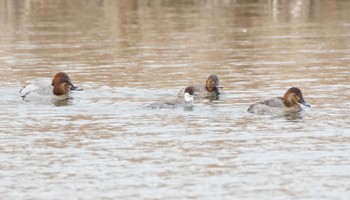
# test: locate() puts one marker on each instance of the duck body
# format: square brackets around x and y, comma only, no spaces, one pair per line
[287,104]
[42,86]
[169,105]
[40,96]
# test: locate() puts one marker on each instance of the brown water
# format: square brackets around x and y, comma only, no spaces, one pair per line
[103,144]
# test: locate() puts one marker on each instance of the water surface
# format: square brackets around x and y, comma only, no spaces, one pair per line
[103,143]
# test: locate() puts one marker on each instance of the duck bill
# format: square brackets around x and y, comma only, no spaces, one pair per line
[218,85]
[73,87]
[305,103]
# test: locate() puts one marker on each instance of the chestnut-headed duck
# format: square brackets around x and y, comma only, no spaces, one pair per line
[289,103]
[43,91]
[44,86]
[210,89]
[59,92]
[186,102]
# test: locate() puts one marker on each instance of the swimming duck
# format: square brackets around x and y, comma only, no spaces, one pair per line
[59,92]
[186,102]
[45,86]
[289,103]
[210,89]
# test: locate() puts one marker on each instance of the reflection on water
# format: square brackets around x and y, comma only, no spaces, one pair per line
[129,53]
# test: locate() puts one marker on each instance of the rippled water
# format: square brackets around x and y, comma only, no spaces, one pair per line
[103,143]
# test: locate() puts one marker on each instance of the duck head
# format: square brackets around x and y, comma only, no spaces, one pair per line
[213,83]
[188,94]
[294,96]
[62,86]
[62,75]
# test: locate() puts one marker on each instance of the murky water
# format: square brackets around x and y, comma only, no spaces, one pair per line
[103,144]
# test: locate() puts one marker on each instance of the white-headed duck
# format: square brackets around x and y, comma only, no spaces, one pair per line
[186,102]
